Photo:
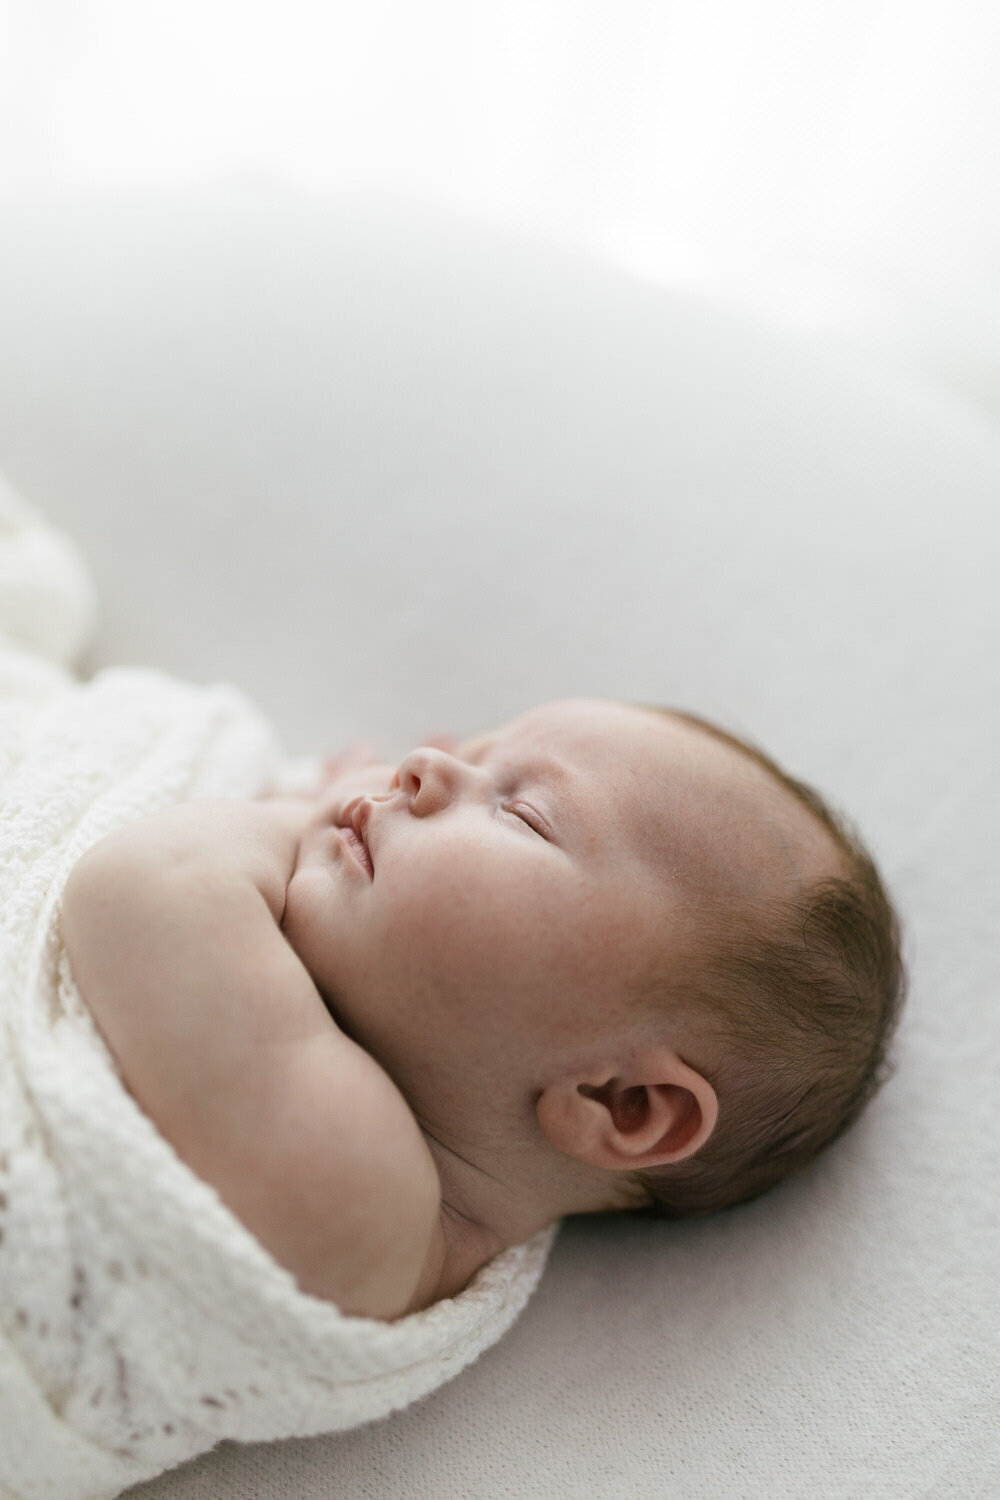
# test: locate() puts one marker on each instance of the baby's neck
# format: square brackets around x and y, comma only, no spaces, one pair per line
[489,1205]
[459,1248]
[465,1247]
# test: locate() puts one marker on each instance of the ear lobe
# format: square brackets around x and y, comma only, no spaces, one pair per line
[622,1124]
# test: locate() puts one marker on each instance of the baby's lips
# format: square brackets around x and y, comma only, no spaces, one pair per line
[354,815]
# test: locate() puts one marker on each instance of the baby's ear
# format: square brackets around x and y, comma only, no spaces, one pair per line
[652,1111]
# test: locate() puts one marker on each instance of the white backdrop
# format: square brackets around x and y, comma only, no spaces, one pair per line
[377,470]
[834,162]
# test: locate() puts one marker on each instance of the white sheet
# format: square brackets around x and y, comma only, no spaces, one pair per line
[436,476]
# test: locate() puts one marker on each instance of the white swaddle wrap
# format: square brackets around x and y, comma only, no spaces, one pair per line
[140,1323]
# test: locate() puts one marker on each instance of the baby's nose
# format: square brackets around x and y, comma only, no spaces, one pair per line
[430,778]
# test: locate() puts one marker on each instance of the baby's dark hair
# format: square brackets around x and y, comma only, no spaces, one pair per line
[802,1004]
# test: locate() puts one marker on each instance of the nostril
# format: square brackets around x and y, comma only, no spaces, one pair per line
[407,778]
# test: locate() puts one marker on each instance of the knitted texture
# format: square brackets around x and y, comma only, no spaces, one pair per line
[140,1322]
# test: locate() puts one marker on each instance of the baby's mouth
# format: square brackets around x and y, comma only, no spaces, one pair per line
[353,820]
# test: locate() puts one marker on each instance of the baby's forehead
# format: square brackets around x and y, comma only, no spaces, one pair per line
[606,742]
[557,727]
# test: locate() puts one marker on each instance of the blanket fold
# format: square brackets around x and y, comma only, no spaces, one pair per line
[140,1322]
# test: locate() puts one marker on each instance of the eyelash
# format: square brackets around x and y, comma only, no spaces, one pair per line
[528,816]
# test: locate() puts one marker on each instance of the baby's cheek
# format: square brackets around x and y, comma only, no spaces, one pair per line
[462,929]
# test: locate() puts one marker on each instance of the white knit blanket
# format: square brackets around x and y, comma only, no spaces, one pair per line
[140,1323]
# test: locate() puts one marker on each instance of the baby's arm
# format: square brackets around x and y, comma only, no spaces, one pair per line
[172,928]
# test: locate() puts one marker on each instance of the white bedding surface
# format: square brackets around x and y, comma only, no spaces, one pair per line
[393,475]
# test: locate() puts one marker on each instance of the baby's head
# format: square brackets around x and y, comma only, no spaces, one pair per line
[795,993]
[608,936]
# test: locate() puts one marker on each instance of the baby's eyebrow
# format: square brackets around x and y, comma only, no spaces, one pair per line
[532,762]
[559,777]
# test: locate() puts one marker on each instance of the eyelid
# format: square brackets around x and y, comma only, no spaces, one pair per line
[532,817]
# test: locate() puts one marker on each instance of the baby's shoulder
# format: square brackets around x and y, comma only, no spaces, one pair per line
[346,1193]
[171,928]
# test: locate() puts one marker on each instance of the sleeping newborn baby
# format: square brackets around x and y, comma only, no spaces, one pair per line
[310,1076]
[596,959]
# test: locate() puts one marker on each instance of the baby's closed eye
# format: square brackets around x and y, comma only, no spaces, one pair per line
[531,817]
